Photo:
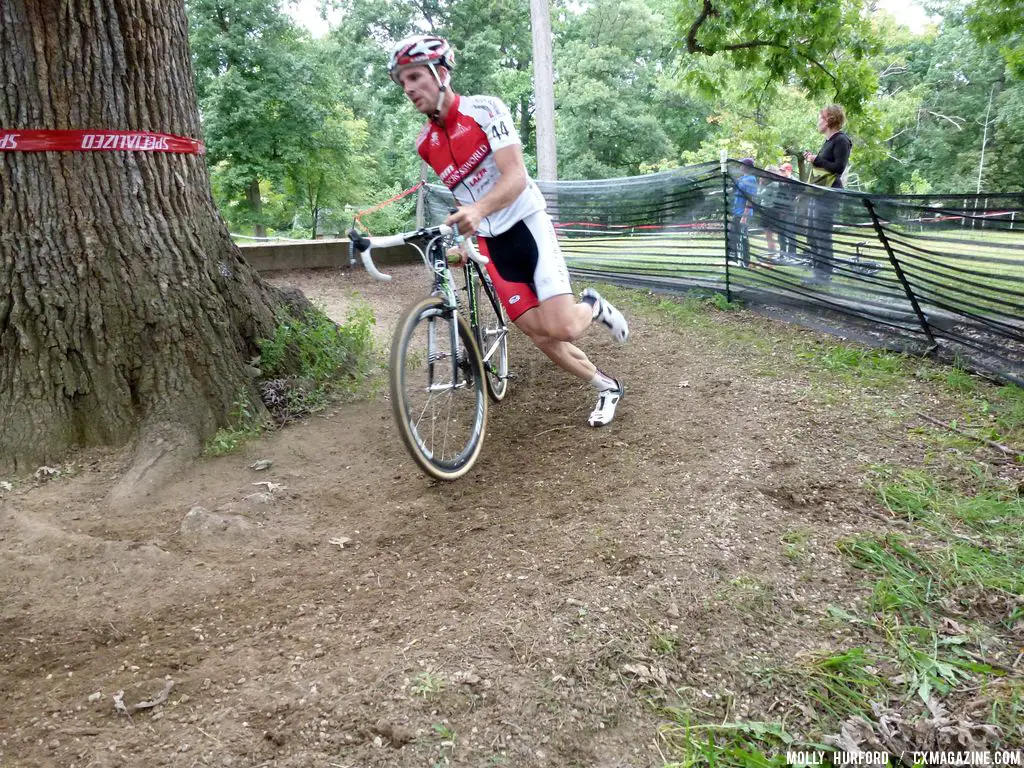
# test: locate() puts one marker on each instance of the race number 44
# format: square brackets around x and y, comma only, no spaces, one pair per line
[498,130]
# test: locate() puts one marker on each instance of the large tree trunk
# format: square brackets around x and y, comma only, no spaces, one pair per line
[126,313]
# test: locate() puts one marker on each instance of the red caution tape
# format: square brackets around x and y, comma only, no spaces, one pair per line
[97,141]
[389,201]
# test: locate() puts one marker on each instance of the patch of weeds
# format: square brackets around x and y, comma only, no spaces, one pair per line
[946,595]
[310,361]
[686,310]
[877,367]
[843,684]
[1005,703]
[932,663]
[1007,407]
[446,734]
[690,309]
[960,381]
[244,423]
[796,543]
[980,563]
[905,586]
[663,643]
[426,684]
[993,509]
[747,594]
[721,303]
[725,745]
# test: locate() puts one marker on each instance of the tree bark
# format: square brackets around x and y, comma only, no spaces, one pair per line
[127,314]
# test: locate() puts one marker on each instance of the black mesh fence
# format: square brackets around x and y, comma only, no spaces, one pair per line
[942,274]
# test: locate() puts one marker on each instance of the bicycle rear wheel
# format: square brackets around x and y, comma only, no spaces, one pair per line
[492,338]
[438,400]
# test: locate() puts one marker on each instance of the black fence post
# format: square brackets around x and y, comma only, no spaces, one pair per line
[725,226]
[899,271]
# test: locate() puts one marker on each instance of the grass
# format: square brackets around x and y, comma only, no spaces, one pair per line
[870,367]
[841,684]
[944,596]
[316,349]
[950,586]
[942,584]
[721,745]
[796,544]
[244,423]
[945,265]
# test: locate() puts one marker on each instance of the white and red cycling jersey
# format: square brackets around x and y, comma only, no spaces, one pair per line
[461,152]
[526,265]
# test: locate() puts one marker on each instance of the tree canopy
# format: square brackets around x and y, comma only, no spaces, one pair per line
[303,131]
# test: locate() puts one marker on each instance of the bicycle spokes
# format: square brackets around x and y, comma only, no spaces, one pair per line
[437,389]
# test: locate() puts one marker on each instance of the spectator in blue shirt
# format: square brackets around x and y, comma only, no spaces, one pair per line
[742,209]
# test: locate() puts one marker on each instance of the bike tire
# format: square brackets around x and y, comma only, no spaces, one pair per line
[866,268]
[419,422]
[491,322]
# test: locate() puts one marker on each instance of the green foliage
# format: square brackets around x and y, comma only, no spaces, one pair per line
[273,117]
[427,684]
[726,745]
[310,361]
[608,91]
[244,423]
[824,47]
[399,216]
[876,367]
[998,22]
[1009,408]
[303,132]
[315,348]
[840,684]
[721,303]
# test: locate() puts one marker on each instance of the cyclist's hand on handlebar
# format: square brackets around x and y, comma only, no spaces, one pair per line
[457,256]
[466,219]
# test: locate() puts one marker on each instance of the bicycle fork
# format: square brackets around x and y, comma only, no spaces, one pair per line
[451,314]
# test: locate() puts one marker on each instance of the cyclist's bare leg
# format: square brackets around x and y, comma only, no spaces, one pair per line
[569,358]
[559,318]
[562,353]
[574,360]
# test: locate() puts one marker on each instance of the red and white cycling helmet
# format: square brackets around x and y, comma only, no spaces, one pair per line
[418,51]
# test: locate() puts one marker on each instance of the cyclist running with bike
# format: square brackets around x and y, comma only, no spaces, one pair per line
[472,145]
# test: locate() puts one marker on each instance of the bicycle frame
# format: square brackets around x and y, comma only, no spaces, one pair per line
[443,286]
[474,276]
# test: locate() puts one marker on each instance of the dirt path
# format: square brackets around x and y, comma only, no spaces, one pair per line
[529,615]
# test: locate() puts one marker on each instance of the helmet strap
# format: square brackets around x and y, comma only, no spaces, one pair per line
[442,88]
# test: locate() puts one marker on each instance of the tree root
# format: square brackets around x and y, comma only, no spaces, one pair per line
[162,451]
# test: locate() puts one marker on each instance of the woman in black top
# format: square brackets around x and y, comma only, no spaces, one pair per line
[829,166]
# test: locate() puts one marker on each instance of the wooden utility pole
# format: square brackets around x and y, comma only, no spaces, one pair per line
[544,85]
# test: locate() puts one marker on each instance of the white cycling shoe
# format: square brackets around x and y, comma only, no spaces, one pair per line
[607,401]
[608,315]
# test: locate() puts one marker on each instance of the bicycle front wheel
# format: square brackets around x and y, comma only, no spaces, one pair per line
[438,388]
[492,338]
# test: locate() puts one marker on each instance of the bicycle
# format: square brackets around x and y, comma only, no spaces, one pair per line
[856,264]
[444,367]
